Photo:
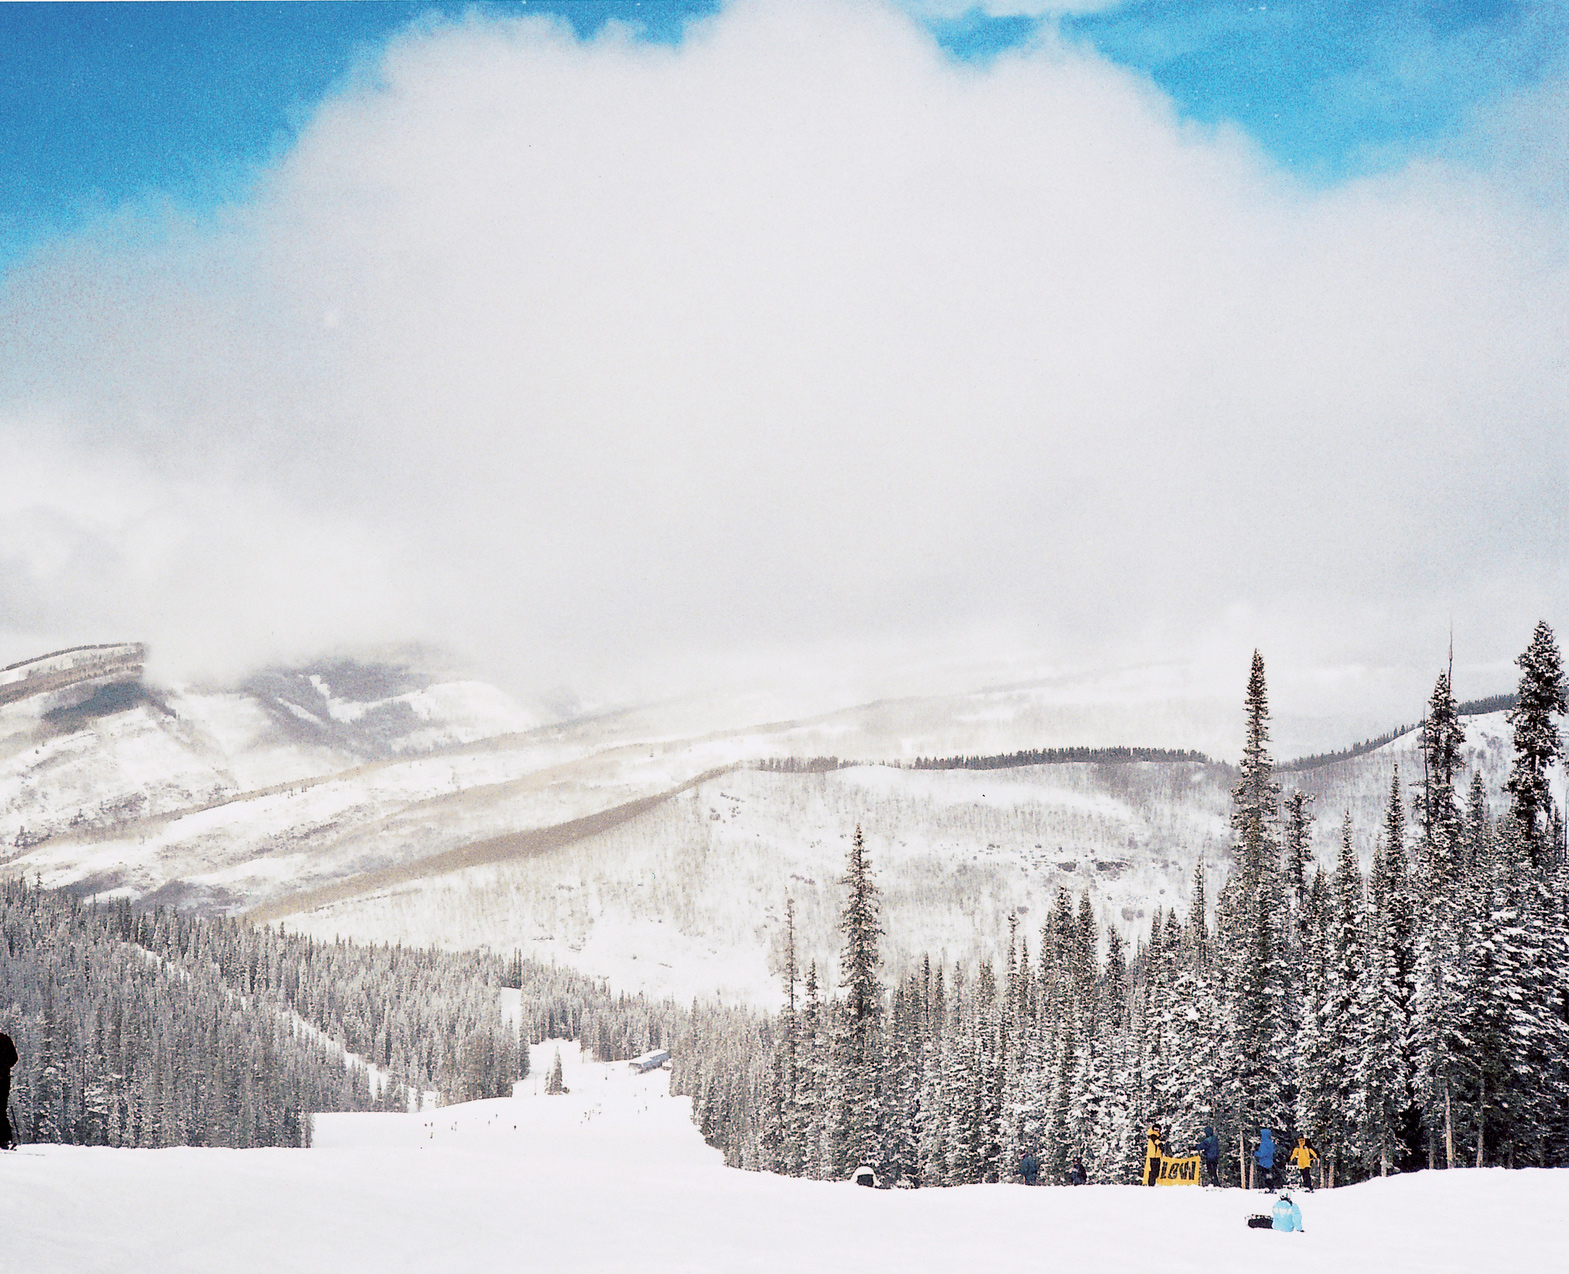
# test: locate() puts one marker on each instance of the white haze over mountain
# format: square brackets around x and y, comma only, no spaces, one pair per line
[636,368]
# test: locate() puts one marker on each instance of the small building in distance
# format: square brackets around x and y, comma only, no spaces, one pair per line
[650,1061]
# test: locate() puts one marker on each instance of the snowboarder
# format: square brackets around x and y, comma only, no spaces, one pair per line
[1287,1216]
[1264,1156]
[1152,1156]
[7,1060]
[1209,1152]
[1302,1159]
[1076,1174]
[1029,1168]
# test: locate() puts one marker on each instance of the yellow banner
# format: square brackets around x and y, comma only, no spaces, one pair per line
[1173,1172]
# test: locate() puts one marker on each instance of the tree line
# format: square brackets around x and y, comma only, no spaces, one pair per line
[1056,756]
[155,1027]
[1318,760]
[1415,1015]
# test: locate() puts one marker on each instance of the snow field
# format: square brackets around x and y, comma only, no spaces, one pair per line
[689,898]
[614,1177]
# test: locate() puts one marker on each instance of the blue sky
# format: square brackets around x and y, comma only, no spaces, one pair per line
[105,104]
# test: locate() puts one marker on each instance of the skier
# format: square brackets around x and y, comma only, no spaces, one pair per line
[1029,1167]
[7,1060]
[1287,1216]
[1209,1152]
[1302,1160]
[1152,1156]
[1076,1174]
[1264,1156]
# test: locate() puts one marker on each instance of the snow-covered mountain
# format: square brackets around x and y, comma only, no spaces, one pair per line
[689,896]
[387,801]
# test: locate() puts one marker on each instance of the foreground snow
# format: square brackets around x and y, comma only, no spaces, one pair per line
[614,1177]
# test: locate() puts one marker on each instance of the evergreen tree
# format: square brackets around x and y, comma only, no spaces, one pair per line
[1537,743]
[1441,992]
[1345,965]
[1383,1065]
[1258,1045]
[856,1064]
[1298,850]
[811,1081]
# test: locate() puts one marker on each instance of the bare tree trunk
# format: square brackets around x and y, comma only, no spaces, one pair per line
[1449,1130]
[1481,1121]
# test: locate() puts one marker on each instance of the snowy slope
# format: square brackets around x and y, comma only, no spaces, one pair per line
[342,797]
[689,898]
[614,1177]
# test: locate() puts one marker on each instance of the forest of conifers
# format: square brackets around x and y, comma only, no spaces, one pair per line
[158,1028]
[1412,1016]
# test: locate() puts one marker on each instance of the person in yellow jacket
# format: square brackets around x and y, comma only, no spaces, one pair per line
[1152,1156]
[1303,1156]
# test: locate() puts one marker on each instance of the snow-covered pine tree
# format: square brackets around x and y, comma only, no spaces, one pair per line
[782,1137]
[898,1158]
[1537,878]
[1499,1022]
[1477,835]
[1345,967]
[1257,1051]
[1537,742]
[963,1098]
[1297,851]
[934,1090]
[1384,1107]
[858,1053]
[811,1081]
[1440,992]
[1315,1080]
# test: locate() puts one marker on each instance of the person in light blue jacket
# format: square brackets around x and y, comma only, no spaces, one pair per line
[1287,1215]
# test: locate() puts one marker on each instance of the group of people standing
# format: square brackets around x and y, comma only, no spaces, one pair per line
[1302,1158]
[1030,1170]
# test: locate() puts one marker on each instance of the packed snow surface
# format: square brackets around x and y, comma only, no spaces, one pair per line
[614,1177]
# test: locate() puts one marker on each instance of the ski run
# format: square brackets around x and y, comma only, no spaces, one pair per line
[613,1175]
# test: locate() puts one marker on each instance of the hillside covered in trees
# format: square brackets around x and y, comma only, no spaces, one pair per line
[1412,1016]
[158,1028]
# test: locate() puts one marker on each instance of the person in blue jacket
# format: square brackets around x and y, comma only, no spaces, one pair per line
[1264,1156]
[1029,1168]
[1209,1152]
[1287,1215]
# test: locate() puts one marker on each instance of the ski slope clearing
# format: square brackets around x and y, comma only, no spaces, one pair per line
[613,1176]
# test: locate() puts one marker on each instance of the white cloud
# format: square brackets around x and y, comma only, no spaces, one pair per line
[941,9]
[592,357]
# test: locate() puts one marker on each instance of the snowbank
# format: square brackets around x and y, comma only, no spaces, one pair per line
[613,1176]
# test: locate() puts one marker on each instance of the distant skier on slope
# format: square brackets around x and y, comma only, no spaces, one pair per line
[1209,1152]
[7,1061]
[1264,1156]
[1302,1159]
[1076,1174]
